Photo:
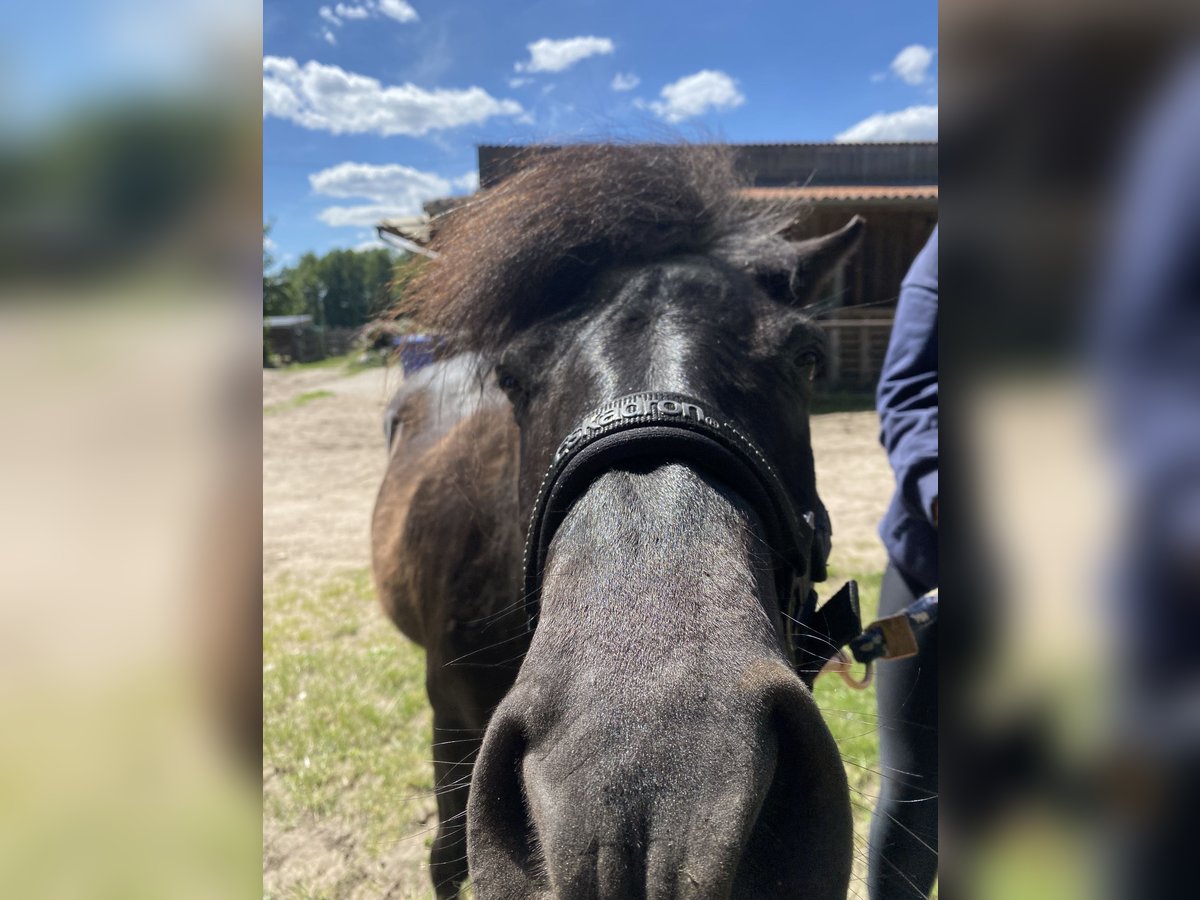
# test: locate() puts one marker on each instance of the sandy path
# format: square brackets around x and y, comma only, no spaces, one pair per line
[322,464]
[855,483]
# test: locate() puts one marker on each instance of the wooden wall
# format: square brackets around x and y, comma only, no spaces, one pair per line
[862,299]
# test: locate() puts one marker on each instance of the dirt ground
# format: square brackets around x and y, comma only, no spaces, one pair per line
[322,464]
[323,458]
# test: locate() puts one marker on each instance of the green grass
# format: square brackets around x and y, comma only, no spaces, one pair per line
[346,724]
[850,715]
[358,362]
[295,402]
[842,401]
[329,362]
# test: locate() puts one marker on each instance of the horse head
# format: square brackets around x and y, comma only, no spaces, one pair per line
[657,741]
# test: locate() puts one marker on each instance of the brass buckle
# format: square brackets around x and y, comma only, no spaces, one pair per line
[899,641]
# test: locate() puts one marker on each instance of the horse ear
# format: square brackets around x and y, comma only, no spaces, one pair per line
[817,259]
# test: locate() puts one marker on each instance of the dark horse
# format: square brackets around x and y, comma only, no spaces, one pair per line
[649,738]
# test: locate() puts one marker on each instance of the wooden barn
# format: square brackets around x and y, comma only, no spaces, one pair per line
[893,186]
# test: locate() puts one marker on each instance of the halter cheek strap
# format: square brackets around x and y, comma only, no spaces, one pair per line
[664,427]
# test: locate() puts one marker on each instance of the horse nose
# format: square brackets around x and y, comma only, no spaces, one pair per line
[700,793]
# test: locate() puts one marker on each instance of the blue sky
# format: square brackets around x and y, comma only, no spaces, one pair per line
[372,106]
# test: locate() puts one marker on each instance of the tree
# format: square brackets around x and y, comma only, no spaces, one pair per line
[343,288]
[307,285]
[380,269]
[278,297]
[345,305]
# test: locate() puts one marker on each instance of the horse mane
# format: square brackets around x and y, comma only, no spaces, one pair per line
[525,249]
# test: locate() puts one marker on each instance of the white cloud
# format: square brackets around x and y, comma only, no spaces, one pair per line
[549,55]
[391,183]
[394,190]
[625,82]
[917,123]
[367,9]
[911,64]
[468,182]
[519,82]
[279,100]
[398,10]
[375,244]
[351,12]
[360,216]
[327,98]
[878,77]
[329,36]
[696,94]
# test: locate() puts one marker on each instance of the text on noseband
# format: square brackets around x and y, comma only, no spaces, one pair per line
[637,406]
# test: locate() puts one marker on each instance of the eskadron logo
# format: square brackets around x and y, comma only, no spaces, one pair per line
[634,407]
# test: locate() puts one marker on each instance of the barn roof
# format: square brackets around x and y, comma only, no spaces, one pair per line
[787,165]
[414,228]
[903,173]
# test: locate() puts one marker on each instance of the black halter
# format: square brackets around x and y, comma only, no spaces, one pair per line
[665,426]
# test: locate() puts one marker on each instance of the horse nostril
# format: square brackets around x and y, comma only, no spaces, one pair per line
[803,833]
[500,832]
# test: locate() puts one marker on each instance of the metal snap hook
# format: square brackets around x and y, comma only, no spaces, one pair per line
[842,664]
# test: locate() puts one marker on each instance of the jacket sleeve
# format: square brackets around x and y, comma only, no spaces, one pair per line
[1146,340]
[907,396]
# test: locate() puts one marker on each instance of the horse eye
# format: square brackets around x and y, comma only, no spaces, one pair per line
[507,382]
[808,362]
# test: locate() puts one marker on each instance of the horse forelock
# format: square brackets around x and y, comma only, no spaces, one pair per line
[527,248]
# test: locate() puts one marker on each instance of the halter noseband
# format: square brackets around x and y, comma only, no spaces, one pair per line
[674,427]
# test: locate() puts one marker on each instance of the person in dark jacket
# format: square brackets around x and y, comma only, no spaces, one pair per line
[903,857]
[1146,352]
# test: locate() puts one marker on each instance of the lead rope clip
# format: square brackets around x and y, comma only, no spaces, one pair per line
[842,664]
